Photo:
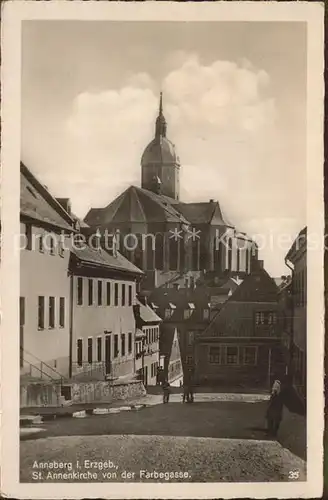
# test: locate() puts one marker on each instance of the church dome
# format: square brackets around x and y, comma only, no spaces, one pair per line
[160,150]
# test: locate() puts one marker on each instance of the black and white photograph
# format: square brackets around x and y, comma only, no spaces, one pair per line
[169,250]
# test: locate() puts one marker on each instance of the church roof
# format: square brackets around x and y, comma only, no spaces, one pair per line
[203,213]
[136,205]
[160,150]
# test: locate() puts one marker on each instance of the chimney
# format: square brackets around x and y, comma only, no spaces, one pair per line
[211,200]
[66,204]
[143,299]
[136,311]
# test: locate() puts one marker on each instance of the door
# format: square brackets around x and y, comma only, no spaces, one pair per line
[107,353]
[21,329]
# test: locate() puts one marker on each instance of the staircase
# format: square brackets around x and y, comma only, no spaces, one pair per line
[42,382]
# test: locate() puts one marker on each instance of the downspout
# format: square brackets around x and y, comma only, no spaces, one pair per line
[291,347]
[71,324]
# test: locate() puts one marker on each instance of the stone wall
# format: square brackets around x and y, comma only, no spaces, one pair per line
[42,394]
[39,394]
[106,392]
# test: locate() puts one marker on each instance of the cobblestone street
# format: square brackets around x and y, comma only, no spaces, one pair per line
[208,441]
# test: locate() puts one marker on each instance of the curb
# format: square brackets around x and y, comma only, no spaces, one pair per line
[32,420]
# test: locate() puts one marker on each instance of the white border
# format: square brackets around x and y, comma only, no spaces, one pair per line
[13,13]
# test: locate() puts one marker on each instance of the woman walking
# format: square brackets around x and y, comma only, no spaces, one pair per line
[275,409]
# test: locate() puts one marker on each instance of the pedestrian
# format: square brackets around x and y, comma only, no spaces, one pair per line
[185,397]
[166,391]
[275,408]
[190,389]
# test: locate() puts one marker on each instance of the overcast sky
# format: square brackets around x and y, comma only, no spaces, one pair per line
[234,100]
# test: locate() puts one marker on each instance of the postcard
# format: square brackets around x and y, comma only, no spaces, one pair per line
[162,229]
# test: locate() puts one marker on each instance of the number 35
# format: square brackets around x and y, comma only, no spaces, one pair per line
[293,474]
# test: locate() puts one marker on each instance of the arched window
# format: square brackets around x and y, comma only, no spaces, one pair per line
[247,260]
[238,258]
[217,254]
[138,253]
[229,254]
[173,254]
[195,255]
[150,248]
[159,251]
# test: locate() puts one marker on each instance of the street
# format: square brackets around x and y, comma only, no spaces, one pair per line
[203,441]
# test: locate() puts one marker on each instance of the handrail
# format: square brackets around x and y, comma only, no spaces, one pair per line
[42,362]
[41,371]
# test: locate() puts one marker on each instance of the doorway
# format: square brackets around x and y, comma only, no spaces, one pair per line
[107,354]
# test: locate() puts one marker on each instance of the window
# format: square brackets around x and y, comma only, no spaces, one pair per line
[130,295]
[41,313]
[79,352]
[190,338]
[90,292]
[130,342]
[187,313]
[168,313]
[189,360]
[28,237]
[62,312]
[108,293]
[250,355]
[52,245]
[90,350]
[123,294]
[61,248]
[41,245]
[99,349]
[99,293]
[115,346]
[79,291]
[238,258]
[266,318]
[116,294]
[206,314]
[123,344]
[215,355]
[51,312]
[232,355]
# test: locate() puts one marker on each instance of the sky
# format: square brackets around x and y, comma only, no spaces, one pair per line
[234,99]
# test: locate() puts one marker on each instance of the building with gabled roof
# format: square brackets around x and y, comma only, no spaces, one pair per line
[241,346]
[47,229]
[170,352]
[103,294]
[160,233]
[147,359]
[189,310]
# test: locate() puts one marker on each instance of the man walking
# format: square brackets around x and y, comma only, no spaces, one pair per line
[166,391]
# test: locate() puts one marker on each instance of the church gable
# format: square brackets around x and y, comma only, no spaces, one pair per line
[256,287]
[257,294]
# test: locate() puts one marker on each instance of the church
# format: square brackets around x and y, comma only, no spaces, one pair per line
[165,236]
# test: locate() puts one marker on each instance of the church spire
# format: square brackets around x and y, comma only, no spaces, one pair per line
[160,129]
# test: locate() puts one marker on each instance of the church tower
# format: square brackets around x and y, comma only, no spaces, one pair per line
[160,165]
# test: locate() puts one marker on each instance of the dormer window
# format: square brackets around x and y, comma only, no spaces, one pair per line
[206,314]
[79,240]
